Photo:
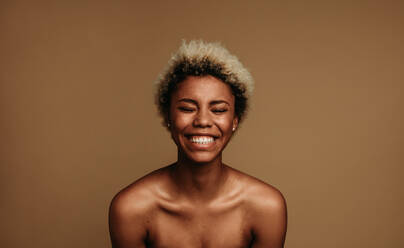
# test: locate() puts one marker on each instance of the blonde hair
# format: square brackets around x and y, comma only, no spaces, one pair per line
[199,58]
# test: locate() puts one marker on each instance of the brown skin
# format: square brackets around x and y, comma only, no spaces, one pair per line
[199,201]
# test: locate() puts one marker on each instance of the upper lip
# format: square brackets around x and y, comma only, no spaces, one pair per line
[201,134]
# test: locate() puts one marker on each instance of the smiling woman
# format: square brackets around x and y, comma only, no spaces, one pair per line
[202,118]
[199,201]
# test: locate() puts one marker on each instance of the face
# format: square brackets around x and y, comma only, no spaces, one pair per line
[202,118]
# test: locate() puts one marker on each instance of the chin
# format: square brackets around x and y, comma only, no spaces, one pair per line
[202,157]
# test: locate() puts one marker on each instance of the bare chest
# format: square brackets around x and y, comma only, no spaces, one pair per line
[200,229]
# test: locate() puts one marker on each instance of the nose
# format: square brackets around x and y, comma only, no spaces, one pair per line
[202,119]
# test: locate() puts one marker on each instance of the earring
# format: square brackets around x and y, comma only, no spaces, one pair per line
[234,129]
[168,124]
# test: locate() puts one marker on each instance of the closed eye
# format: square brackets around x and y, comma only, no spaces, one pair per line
[185,109]
[219,110]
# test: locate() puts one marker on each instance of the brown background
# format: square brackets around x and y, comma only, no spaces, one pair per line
[78,121]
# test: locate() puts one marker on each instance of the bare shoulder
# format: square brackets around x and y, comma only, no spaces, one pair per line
[137,197]
[131,209]
[266,209]
[257,192]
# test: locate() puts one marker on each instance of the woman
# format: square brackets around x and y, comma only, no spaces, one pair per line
[199,201]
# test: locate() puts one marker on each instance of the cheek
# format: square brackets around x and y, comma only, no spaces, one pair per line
[180,121]
[225,123]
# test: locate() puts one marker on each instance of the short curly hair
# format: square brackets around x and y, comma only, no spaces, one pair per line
[199,58]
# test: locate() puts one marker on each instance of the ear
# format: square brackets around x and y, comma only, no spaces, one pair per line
[235,123]
[167,121]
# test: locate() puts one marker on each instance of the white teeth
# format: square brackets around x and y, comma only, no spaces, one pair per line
[201,140]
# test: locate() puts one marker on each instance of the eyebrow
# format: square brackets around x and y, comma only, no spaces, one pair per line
[214,102]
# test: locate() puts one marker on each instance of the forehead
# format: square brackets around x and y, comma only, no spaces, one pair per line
[206,88]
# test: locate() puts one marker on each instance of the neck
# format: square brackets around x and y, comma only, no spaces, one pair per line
[199,181]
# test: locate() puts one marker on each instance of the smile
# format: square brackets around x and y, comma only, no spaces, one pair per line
[201,139]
